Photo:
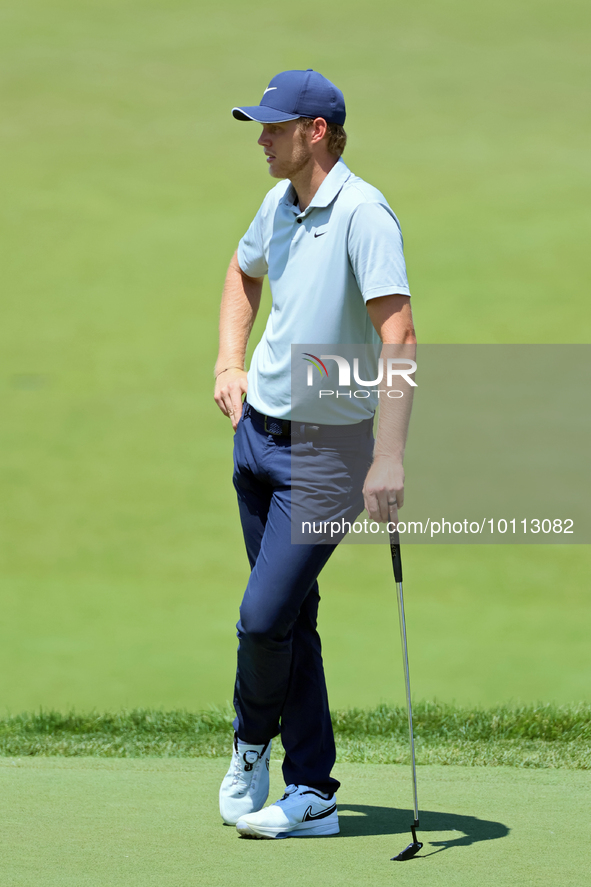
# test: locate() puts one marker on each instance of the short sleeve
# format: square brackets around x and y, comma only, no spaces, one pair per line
[375,251]
[251,250]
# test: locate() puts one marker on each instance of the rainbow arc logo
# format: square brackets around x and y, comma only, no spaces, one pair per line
[315,361]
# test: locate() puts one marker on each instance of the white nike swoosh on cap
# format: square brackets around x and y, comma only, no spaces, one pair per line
[269,88]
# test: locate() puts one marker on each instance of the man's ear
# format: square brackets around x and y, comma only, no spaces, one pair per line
[319,129]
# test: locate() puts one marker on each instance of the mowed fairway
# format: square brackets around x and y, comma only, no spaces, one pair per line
[126,187]
[152,821]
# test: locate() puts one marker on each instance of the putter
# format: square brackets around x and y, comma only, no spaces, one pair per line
[413,848]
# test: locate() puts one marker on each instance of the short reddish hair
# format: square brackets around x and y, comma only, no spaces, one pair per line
[336,138]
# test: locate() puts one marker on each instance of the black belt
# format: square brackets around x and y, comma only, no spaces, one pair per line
[285,428]
[268,424]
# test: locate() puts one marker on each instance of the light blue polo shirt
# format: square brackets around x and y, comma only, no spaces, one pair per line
[323,265]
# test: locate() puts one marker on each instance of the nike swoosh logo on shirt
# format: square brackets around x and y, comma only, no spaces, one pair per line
[319,235]
[269,88]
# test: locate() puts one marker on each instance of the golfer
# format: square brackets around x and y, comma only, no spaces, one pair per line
[332,249]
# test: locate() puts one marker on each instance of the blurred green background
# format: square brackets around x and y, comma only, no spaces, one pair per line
[125,187]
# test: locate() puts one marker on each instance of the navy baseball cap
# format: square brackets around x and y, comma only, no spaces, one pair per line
[294,94]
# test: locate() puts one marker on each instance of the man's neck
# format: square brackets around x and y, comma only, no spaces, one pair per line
[307,182]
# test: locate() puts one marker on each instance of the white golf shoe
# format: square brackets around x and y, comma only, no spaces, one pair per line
[302,812]
[245,787]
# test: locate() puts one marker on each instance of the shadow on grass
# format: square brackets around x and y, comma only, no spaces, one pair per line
[361,819]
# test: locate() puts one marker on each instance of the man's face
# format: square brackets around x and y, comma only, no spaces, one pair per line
[286,148]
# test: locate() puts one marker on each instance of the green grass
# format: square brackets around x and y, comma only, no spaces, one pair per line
[529,736]
[126,185]
[91,822]
[486,625]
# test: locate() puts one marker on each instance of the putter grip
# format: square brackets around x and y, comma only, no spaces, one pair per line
[396,559]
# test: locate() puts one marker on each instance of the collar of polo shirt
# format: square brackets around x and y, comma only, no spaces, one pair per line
[326,193]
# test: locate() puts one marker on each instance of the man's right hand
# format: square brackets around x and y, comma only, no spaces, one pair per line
[230,387]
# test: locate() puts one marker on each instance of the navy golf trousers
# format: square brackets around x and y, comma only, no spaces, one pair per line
[280,685]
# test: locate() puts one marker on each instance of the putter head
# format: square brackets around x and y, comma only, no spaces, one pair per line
[408,852]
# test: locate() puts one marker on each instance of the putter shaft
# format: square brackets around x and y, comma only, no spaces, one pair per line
[404,645]
[413,848]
